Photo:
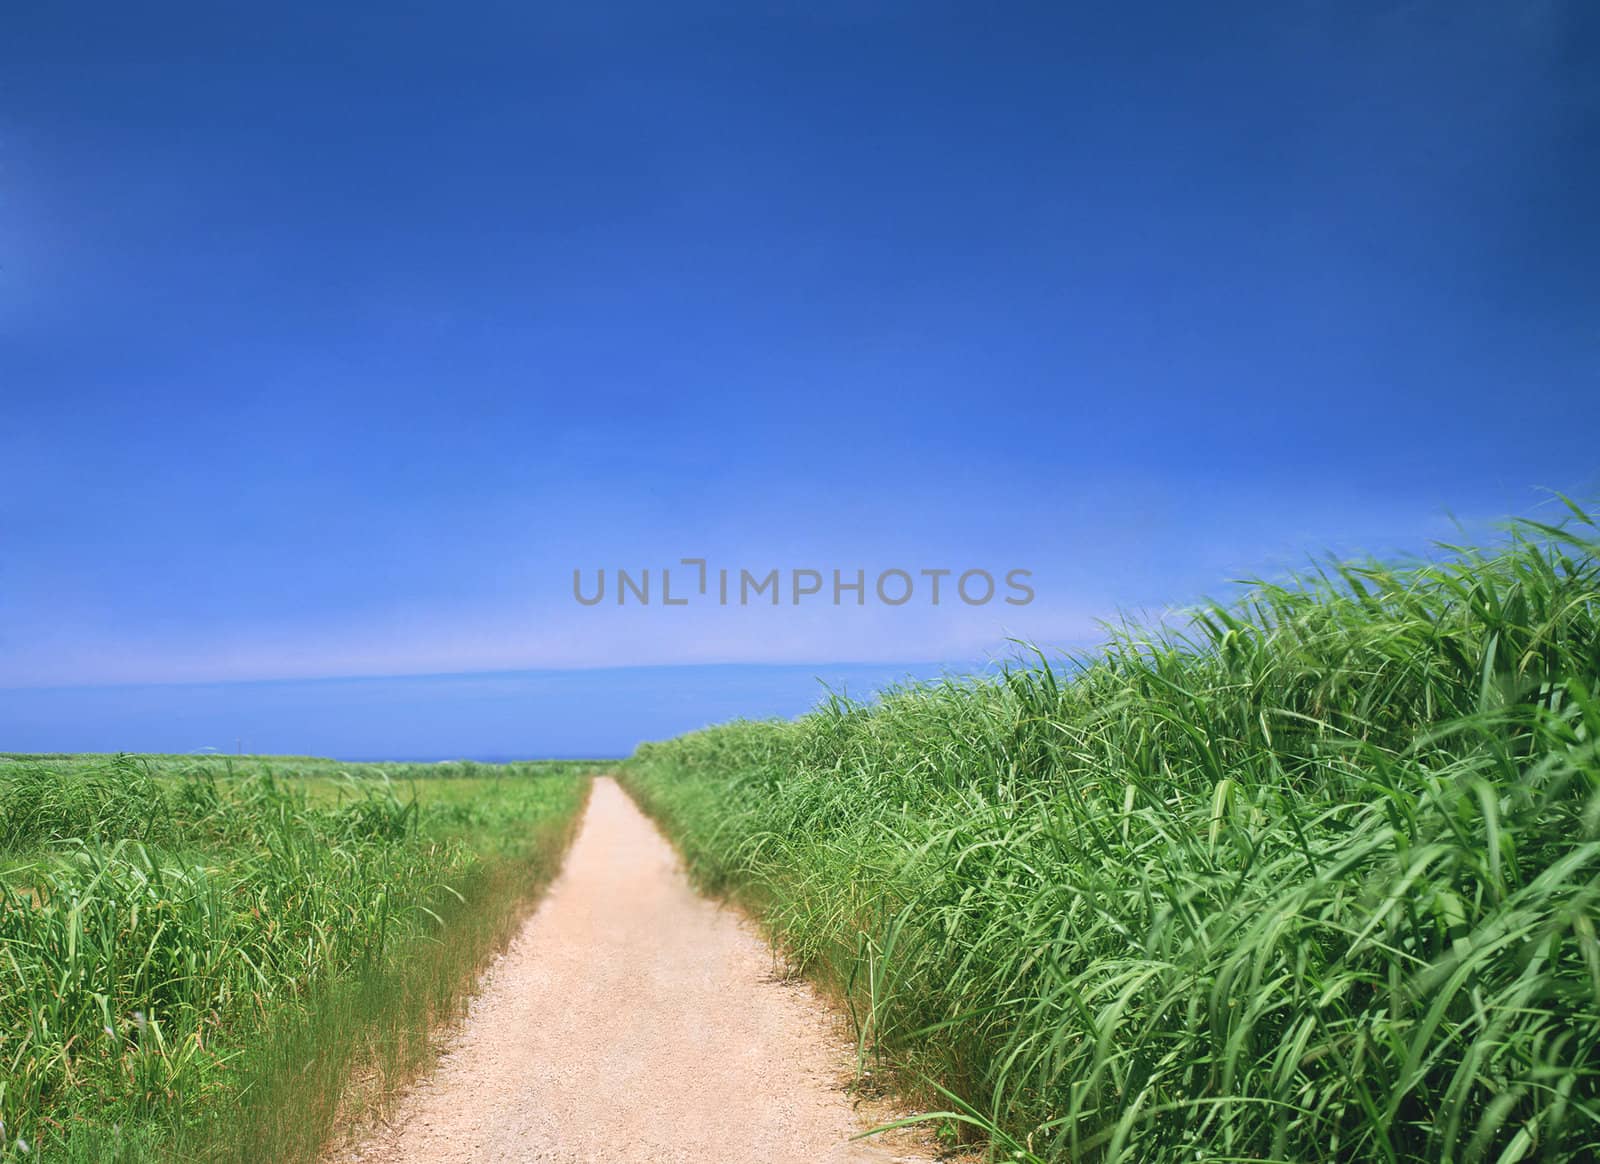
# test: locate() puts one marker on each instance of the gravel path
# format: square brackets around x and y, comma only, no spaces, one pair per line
[634,1020]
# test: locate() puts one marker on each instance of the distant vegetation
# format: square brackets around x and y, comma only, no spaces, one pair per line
[218,959]
[1317,879]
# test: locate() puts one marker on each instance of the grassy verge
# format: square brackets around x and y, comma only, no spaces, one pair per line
[1317,879]
[224,962]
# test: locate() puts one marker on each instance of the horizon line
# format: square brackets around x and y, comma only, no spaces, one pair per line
[961,667]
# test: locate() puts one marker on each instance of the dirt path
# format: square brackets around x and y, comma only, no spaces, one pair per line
[633,1020]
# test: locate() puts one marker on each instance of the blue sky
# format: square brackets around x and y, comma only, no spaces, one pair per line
[333,338]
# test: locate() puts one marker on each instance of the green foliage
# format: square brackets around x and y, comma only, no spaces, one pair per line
[115,798]
[195,961]
[1316,877]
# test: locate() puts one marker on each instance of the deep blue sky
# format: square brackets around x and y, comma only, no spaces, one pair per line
[332,338]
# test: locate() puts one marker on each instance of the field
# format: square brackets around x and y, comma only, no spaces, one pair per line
[1315,877]
[224,959]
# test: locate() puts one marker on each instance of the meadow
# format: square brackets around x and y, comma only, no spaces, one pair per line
[1312,875]
[235,959]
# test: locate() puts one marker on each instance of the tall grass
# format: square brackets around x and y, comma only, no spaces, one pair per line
[1317,878]
[198,966]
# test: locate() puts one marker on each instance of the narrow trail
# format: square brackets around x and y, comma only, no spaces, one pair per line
[634,1020]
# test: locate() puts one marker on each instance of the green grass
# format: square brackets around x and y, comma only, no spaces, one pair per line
[224,960]
[1317,878]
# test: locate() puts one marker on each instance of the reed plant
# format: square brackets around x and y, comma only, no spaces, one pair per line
[1314,875]
[225,964]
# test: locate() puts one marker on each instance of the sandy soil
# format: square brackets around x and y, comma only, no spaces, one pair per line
[633,1020]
